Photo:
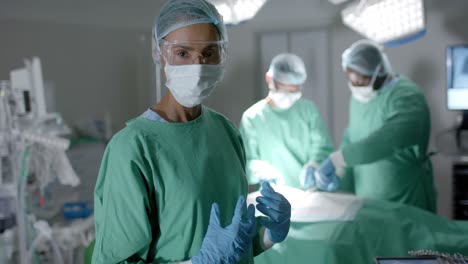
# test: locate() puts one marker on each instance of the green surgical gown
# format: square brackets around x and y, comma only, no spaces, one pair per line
[157,183]
[385,145]
[380,229]
[286,138]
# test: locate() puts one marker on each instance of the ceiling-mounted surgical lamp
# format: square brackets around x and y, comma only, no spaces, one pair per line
[237,11]
[388,22]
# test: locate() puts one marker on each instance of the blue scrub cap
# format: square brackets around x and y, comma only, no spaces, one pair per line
[180,13]
[288,68]
[365,56]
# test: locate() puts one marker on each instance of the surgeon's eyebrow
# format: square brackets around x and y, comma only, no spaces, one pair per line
[182,46]
[211,46]
[187,47]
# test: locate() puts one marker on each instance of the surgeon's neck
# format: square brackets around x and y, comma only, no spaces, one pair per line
[173,112]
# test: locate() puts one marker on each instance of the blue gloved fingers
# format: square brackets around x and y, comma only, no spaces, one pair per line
[302,177]
[322,179]
[234,259]
[327,167]
[279,206]
[330,184]
[249,223]
[239,210]
[252,221]
[250,214]
[269,224]
[276,232]
[334,184]
[310,171]
[274,215]
[215,215]
[227,245]
[267,187]
[247,228]
[245,236]
[309,182]
[272,199]
[269,192]
[307,177]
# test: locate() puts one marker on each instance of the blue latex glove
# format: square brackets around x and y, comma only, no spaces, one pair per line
[228,245]
[278,210]
[307,177]
[326,178]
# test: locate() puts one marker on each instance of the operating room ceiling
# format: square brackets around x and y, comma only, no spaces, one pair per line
[129,15]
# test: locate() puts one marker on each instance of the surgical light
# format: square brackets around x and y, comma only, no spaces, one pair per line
[337,2]
[389,22]
[237,11]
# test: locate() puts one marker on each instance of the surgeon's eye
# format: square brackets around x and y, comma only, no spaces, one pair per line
[182,53]
[211,52]
[207,54]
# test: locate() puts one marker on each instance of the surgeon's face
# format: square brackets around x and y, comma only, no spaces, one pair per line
[281,87]
[357,79]
[193,44]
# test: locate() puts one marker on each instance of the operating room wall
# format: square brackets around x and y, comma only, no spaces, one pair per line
[94,69]
[424,62]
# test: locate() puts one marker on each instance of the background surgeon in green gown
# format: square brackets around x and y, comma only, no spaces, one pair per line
[169,181]
[285,137]
[385,144]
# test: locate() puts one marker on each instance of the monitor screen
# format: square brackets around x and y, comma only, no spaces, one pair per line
[457,77]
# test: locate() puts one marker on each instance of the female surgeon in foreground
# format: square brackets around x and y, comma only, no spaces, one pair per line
[172,183]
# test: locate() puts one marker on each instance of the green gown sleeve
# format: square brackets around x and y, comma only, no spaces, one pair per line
[122,206]
[347,177]
[405,114]
[321,144]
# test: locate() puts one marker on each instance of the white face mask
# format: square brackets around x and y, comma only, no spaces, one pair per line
[193,83]
[363,94]
[284,100]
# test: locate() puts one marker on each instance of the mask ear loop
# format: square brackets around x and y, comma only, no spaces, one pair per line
[157,55]
[386,64]
[271,84]
[155,48]
[374,76]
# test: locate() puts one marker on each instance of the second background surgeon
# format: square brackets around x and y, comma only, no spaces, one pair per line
[284,135]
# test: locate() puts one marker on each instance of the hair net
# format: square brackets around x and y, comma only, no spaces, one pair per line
[365,56]
[288,68]
[180,13]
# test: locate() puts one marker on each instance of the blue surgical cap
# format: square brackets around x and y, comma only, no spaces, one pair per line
[288,68]
[180,13]
[364,57]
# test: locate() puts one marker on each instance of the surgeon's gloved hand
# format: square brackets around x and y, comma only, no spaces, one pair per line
[278,210]
[325,176]
[228,245]
[307,176]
